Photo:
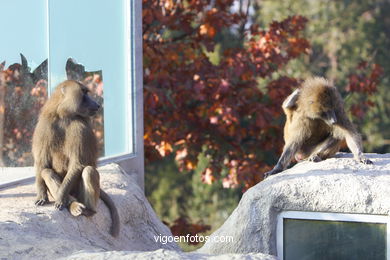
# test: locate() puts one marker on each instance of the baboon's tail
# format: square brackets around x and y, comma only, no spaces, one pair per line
[114,213]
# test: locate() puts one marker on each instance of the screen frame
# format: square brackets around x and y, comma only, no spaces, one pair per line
[328,216]
[132,162]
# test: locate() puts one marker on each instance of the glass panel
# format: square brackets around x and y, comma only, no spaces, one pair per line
[23,77]
[335,240]
[93,33]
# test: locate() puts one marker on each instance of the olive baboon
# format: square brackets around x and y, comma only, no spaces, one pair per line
[316,124]
[65,153]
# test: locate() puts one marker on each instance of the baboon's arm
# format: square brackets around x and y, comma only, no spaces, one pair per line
[42,197]
[289,151]
[41,162]
[71,178]
[345,129]
[291,100]
[354,143]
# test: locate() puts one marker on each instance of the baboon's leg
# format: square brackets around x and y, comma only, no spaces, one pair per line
[329,147]
[53,182]
[89,191]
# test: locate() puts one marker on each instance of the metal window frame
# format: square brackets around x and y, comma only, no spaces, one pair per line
[328,216]
[132,163]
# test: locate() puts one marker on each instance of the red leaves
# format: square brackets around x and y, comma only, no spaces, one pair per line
[20,101]
[364,81]
[275,47]
[216,109]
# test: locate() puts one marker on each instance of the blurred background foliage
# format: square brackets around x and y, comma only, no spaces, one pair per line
[349,42]
[191,176]
[341,34]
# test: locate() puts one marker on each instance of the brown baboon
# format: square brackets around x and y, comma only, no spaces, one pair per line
[65,153]
[316,124]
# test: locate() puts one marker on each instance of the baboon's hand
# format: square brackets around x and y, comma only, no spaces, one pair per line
[366,161]
[41,199]
[314,158]
[60,204]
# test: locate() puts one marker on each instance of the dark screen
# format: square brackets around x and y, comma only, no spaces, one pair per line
[333,240]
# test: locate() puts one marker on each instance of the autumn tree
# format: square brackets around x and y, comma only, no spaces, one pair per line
[214,80]
[227,108]
[195,105]
[22,94]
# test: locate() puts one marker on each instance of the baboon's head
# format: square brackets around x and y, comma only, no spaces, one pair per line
[73,100]
[318,100]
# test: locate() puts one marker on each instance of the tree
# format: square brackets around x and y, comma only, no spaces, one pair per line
[22,94]
[195,106]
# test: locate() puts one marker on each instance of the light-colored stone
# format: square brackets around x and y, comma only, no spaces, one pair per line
[335,185]
[165,254]
[31,232]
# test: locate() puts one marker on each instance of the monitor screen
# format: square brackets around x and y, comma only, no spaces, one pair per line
[331,236]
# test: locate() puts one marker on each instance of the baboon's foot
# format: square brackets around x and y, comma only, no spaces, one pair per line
[41,200]
[78,209]
[365,161]
[314,158]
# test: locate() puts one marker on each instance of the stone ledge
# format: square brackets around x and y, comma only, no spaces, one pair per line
[339,185]
[165,254]
[28,231]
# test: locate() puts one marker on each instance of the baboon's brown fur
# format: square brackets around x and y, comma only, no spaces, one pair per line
[316,124]
[65,153]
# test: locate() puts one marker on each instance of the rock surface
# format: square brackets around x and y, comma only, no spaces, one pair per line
[165,254]
[335,185]
[31,232]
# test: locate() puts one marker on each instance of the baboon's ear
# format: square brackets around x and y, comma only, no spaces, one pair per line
[40,72]
[24,62]
[291,100]
[74,71]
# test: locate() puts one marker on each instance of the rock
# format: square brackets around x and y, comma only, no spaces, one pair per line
[339,185]
[165,254]
[29,231]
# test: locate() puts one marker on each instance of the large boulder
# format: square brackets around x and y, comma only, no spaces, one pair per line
[29,231]
[338,184]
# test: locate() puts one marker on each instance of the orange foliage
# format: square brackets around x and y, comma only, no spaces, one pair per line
[194,106]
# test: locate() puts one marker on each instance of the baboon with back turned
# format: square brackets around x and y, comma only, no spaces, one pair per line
[65,153]
[316,125]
